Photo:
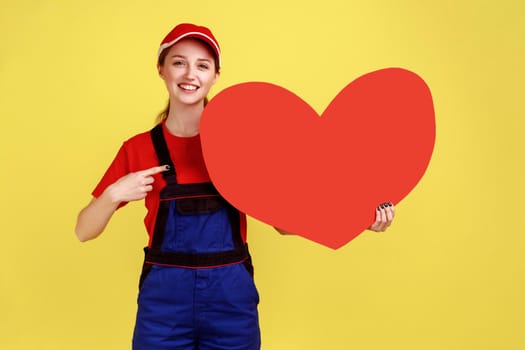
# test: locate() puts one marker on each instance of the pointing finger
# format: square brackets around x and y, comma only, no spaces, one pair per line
[154,170]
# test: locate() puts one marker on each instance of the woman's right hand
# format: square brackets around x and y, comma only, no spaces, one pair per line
[95,216]
[134,186]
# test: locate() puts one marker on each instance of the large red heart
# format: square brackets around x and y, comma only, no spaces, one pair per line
[272,156]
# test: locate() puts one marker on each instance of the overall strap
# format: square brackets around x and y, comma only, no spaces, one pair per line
[163,153]
[170,176]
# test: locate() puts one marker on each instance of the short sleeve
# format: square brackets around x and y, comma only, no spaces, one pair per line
[118,168]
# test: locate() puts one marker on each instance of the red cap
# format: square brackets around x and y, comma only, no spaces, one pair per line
[188,30]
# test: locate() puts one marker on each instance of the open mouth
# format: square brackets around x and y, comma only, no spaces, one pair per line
[188,87]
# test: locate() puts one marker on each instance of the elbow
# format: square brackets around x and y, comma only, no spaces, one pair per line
[84,231]
[82,239]
[81,235]
[85,234]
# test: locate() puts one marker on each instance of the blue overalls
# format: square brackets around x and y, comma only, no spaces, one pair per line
[196,289]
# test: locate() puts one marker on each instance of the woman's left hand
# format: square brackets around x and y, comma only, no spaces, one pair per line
[384,215]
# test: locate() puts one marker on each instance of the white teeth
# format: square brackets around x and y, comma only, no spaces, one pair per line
[188,87]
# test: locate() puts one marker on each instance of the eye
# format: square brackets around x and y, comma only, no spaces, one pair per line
[204,66]
[178,63]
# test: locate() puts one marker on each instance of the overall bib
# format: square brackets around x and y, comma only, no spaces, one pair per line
[196,290]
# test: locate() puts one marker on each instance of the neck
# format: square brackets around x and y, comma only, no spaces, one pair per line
[184,120]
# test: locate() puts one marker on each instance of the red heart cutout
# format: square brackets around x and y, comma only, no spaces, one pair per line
[272,156]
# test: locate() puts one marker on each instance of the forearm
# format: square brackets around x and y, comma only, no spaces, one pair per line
[95,216]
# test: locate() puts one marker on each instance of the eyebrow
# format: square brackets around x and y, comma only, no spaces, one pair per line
[199,59]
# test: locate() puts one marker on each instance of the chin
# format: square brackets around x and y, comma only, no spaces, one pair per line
[190,100]
[193,102]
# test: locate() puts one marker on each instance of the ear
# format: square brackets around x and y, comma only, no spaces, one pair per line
[160,70]
[217,75]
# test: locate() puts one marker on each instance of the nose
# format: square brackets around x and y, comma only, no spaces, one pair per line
[190,72]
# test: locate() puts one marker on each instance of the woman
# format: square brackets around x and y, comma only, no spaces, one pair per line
[196,287]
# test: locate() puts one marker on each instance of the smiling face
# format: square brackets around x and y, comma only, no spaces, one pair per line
[189,71]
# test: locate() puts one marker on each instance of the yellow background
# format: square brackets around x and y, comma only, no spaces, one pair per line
[78,77]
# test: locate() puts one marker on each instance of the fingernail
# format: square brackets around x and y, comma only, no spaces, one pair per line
[168,167]
[389,204]
[382,206]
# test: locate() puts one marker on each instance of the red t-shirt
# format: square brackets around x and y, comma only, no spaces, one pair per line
[138,153]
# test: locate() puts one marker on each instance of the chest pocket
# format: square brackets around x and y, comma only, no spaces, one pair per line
[200,205]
